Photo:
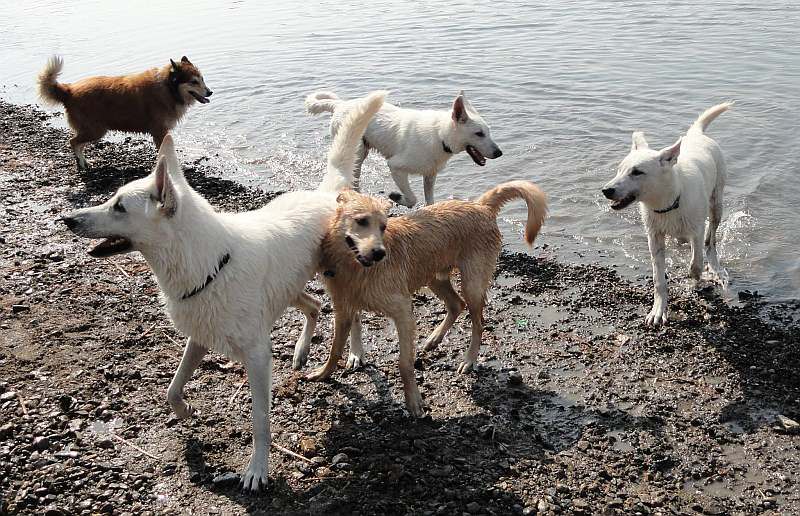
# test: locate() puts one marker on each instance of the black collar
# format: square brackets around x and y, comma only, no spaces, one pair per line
[209,278]
[675,205]
[446,148]
[172,84]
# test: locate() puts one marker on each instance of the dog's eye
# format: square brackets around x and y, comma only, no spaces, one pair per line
[636,172]
[195,81]
[480,134]
[362,221]
[119,208]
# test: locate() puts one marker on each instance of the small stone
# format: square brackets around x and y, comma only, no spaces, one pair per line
[308,447]
[324,472]
[514,378]
[10,395]
[228,478]
[474,507]
[339,457]
[788,425]
[20,308]
[41,443]
[6,430]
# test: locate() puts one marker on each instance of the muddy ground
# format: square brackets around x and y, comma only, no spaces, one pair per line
[575,408]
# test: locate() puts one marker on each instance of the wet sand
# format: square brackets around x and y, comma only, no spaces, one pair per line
[575,407]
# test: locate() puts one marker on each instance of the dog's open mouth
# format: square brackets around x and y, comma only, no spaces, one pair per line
[201,99]
[111,246]
[622,203]
[366,262]
[476,155]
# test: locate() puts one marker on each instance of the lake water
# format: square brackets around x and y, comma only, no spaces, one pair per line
[562,84]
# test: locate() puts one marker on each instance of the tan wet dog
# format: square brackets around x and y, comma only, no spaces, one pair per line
[420,249]
[148,102]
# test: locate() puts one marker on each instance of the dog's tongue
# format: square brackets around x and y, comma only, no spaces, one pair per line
[476,155]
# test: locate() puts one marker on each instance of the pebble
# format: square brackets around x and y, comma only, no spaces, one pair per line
[339,457]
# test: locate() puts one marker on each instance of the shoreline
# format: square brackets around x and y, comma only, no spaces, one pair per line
[575,406]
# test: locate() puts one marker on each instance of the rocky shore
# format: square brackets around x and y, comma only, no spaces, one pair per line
[575,407]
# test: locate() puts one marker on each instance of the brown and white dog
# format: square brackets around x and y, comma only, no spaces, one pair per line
[373,262]
[148,102]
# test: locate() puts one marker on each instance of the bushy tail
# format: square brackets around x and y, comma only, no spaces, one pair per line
[321,101]
[709,115]
[342,154]
[533,196]
[50,91]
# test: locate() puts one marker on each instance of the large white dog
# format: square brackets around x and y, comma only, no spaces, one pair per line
[414,141]
[677,188]
[226,277]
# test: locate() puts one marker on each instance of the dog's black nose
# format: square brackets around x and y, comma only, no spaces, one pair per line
[70,222]
[378,254]
[497,153]
[609,192]
[209,93]
[396,196]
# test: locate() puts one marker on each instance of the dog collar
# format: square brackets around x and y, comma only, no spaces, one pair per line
[675,205]
[209,278]
[446,148]
[172,84]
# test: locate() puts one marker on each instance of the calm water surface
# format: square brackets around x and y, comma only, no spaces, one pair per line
[562,84]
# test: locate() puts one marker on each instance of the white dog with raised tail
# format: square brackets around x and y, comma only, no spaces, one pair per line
[677,188]
[225,277]
[414,141]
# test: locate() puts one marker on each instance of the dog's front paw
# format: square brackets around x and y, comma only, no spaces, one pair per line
[466,367]
[414,405]
[319,374]
[432,342]
[657,316]
[402,199]
[354,361]
[179,406]
[255,477]
[300,358]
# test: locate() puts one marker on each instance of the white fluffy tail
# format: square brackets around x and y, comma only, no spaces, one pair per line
[708,116]
[321,102]
[342,154]
[50,91]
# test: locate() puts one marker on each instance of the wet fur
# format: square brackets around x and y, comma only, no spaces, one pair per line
[137,103]
[421,250]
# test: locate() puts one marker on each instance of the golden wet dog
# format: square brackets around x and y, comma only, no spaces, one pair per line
[373,262]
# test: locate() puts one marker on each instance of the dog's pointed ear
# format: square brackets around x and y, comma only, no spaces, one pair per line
[175,66]
[638,141]
[460,109]
[669,155]
[185,59]
[345,196]
[170,155]
[167,198]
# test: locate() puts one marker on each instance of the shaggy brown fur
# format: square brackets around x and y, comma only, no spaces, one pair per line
[148,102]
[421,249]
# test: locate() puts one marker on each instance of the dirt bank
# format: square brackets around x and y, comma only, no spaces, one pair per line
[575,408]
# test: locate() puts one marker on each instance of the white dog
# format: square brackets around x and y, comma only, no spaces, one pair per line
[415,141]
[226,277]
[677,188]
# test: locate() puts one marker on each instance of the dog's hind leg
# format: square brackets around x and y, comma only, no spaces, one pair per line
[341,328]
[258,363]
[696,265]
[356,357]
[361,155]
[310,308]
[443,289]
[428,183]
[192,356]
[406,197]
[714,218]
[78,144]
[475,278]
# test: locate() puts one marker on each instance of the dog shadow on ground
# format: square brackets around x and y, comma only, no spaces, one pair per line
[398,465]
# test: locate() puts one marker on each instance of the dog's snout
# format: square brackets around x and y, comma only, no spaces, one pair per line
[497,153]
[378,254]
[609,192]
[71,222]
[209,93]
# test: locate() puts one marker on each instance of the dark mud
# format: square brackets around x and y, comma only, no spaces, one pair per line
[574,409]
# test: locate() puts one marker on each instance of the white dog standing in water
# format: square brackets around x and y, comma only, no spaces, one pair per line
[414,141]
[226,277]
[677,188]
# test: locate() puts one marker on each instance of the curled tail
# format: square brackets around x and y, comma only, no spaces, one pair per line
[50,91]
[342,154]
[321,102]
[533,196]
[708,116]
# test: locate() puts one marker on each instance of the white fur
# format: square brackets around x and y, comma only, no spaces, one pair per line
[273,252]
[692,168]
[411,140]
